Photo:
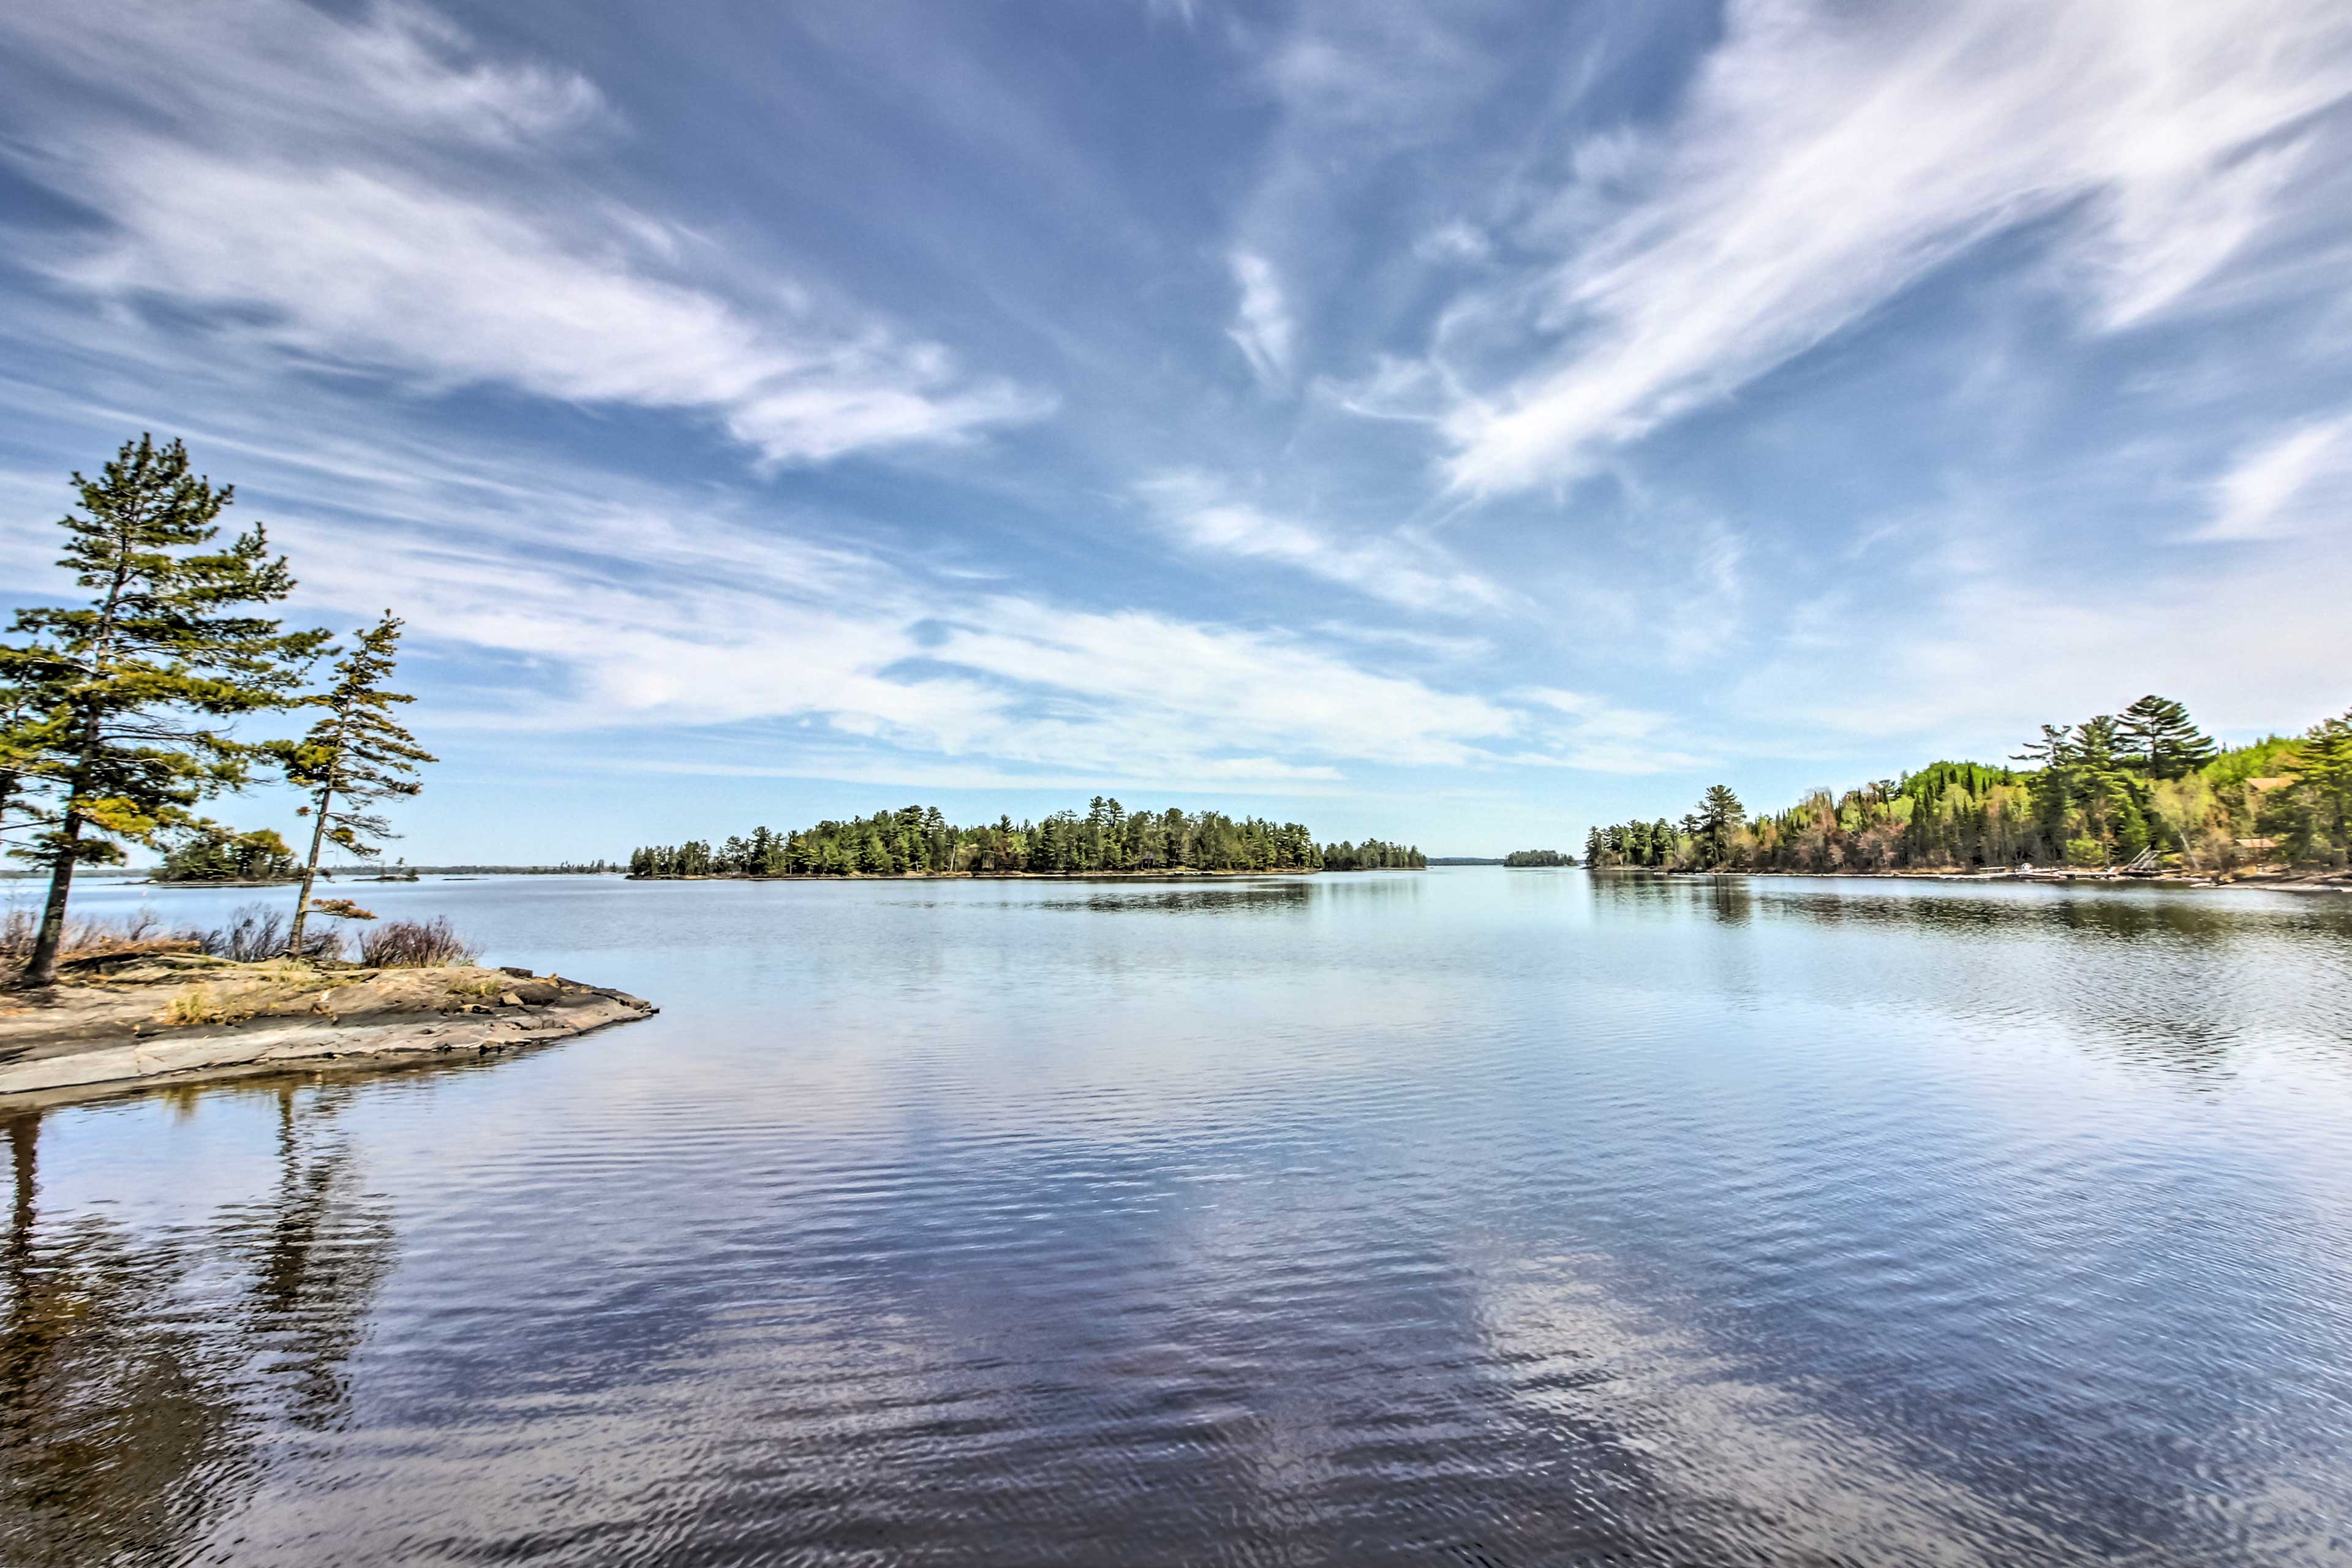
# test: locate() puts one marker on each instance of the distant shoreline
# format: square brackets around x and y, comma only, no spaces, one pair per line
[1165,875]
[2278,882]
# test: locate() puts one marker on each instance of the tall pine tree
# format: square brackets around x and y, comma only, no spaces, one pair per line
[355,757]
[2322,796]
[2156,735]
[1720,816]
[143,679]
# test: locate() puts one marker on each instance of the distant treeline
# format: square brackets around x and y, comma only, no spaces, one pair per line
[917,840]
[2097,794]
[562,868]
[1537,857]
[212,853]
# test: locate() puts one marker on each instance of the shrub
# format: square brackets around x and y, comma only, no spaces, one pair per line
[139,931]
[255,932]
[416,944]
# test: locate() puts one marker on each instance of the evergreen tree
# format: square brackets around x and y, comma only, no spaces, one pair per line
[2321,799]
[32,722]
[217,853]
[2156,732]
[143,678]
[1720,815]
[355,757]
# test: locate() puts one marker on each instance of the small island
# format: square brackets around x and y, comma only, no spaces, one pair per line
[1108,840]
[1523,858]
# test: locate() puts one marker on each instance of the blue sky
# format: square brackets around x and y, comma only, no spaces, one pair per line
[1461,425]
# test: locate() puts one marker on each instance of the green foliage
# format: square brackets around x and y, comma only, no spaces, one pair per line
[217,853]
[916,840]
[2161,741]
[1931,783]
[2315,813]
[1372,855]
[1719,818]
[2094,795]
[355,755]
[2267,758]
[1654,846]
[1537,857]
[120,706]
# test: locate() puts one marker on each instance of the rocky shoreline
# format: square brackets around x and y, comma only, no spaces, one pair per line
[162,1018]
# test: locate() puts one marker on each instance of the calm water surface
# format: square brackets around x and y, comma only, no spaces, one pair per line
[1473,1217]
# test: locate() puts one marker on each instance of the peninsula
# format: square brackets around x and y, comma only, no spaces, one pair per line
[120,1022]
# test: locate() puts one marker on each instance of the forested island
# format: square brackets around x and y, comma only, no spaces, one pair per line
[211,853]
[2143,789]
[1537,857]
[920,841]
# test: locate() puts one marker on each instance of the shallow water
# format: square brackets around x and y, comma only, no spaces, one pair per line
[1472,1217]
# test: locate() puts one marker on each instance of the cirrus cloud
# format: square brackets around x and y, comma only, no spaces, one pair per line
[1826,158]
[374,194]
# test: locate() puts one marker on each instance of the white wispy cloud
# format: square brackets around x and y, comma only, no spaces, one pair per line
[1593,733]
[1147,677]
[1827,157]
[1263,328]
[581,601]
[1399,568]
[374,194]
[2289,485]
[2255,648]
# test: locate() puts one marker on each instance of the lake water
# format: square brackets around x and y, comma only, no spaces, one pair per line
[1472,1217]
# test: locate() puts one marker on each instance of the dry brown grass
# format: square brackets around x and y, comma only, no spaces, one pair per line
[207,1003]
[141,932]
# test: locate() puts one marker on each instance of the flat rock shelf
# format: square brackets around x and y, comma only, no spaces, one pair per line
[177,1017]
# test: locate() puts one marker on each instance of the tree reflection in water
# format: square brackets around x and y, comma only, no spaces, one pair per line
[136,1380]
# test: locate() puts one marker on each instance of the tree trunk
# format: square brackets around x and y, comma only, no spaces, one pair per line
[310,872]
[42,970]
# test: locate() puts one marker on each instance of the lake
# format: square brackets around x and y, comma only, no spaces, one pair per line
[1468,1217]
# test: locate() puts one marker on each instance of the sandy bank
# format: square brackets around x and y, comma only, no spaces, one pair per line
[174,1018]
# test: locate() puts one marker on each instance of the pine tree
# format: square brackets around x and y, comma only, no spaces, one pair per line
[142,679]
[355,757]
[2157,733]
[1720,815]
[32,722]
[2322,795]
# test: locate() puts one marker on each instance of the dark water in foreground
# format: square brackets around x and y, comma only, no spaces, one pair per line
[1473,1218]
